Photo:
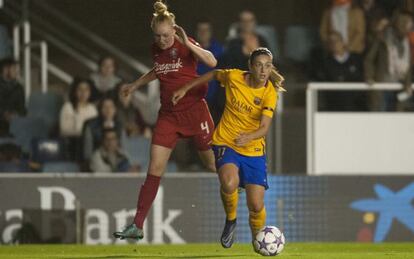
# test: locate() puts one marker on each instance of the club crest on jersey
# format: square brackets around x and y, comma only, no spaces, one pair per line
[257,100]
[173,53]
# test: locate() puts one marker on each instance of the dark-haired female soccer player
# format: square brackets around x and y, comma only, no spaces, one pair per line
[175,62]
[239,139]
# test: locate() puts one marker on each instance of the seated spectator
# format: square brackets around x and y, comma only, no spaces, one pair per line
[12,94]
[75,112]
[109,157]
[389,58]
[239,48]
[129,116]
[92,132]
[78,109]
[342,66]
[106,79]
[215,95]
[348,20]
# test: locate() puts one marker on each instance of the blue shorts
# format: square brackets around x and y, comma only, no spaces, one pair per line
[252,169]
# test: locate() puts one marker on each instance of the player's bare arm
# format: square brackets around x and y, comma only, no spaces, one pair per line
[143,80]
[245,138]
[201,54]
[180,93]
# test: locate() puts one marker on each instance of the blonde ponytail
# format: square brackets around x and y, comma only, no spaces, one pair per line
[277,80]
[162,14]
[160,8]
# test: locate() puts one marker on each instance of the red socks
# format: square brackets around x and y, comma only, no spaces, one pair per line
[145,199]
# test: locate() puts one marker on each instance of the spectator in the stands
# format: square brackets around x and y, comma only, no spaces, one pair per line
[109,157]
[204,36]
[12,96]
[370,9]
[92,132]
[246,40]
[376,20]
[77,109]
[106,79]
[342,66]
[389,58]
[75,112]
[377,29]
[215,95]
[130,116]
[348,20]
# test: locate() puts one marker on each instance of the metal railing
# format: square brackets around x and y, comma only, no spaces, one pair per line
[42,45]
[28,45]
[152,92]
[25,28]
[67,44]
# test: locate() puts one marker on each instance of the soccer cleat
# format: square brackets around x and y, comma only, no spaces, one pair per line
[227,237]
[131,231]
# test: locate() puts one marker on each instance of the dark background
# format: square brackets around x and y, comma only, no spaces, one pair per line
[126,23]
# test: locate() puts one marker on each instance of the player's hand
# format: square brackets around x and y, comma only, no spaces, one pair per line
[178,95]
[182,35]
[242,139]
[127,89]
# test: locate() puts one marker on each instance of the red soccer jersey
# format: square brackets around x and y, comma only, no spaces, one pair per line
[175,67]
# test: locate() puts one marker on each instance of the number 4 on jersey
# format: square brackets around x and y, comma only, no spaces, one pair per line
[204,126]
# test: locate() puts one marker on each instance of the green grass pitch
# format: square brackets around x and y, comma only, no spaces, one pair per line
[194,251]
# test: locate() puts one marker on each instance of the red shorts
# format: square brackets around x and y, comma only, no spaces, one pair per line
[195,123]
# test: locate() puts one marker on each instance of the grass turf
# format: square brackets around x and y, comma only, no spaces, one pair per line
[194,251]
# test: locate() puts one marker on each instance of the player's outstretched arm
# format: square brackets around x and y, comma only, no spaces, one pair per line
[180,93]
[201,54]
[245,138]
[143,80]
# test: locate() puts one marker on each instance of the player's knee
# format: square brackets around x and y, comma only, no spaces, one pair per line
[209,164]
[156,169]
[211,167]
[229,187]
[256,207]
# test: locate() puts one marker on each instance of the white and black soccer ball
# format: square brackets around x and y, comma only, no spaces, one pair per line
[269,241]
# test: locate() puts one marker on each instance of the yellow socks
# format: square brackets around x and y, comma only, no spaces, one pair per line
[230,204]
[257,220]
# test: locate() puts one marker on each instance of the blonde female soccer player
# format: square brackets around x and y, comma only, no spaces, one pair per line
[239,139]
[175,63]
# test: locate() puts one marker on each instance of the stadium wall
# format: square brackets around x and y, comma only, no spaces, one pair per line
[68,208]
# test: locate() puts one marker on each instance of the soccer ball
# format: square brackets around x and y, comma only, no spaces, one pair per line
[269,241]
